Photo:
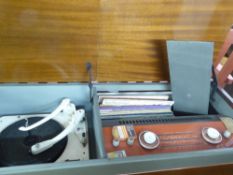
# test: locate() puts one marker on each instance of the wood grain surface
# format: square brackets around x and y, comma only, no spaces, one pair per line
[51,40]
[214,170]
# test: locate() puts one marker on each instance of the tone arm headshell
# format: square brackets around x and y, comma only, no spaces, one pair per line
[73,118]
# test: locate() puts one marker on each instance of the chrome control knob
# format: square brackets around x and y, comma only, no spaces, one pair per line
[149,140]
[227,134]
[211,135]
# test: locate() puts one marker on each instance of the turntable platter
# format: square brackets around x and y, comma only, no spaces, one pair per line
[15,144]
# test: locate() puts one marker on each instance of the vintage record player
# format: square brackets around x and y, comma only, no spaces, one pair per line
[62,128]
[42,138]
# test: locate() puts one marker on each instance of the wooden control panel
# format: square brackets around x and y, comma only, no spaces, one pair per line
[174,137]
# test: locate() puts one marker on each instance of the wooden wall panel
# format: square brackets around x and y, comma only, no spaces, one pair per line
[132,31]
[51,40]
[47,40]
[214,170]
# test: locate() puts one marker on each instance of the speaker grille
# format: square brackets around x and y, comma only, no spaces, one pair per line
[158,120]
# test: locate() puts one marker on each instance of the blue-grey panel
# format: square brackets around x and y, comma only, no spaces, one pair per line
[150,163]
[42,98]
[221,105]
[190,73]
[22,99]
[100,150]
[115,87]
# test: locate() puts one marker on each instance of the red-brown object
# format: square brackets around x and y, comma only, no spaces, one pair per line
[223,71]
[174,137]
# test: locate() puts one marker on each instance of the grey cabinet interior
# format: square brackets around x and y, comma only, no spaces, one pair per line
[27,98]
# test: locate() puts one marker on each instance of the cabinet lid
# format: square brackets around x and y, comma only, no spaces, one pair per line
[190,64]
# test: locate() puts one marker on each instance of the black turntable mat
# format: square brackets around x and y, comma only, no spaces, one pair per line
[15,144]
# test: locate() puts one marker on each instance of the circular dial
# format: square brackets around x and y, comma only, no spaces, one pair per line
[213,133]
[149,137]
[148,140]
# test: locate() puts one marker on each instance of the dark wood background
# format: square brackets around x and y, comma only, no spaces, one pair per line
[51,40]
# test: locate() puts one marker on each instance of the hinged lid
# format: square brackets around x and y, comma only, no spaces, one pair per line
[190,65]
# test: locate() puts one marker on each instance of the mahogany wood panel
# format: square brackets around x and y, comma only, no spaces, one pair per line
[179,137]
[50,41]
[213,170]
[47,40]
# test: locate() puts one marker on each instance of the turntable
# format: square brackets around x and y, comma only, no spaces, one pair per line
[40,138]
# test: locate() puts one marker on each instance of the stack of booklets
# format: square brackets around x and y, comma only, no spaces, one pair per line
[128,103]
